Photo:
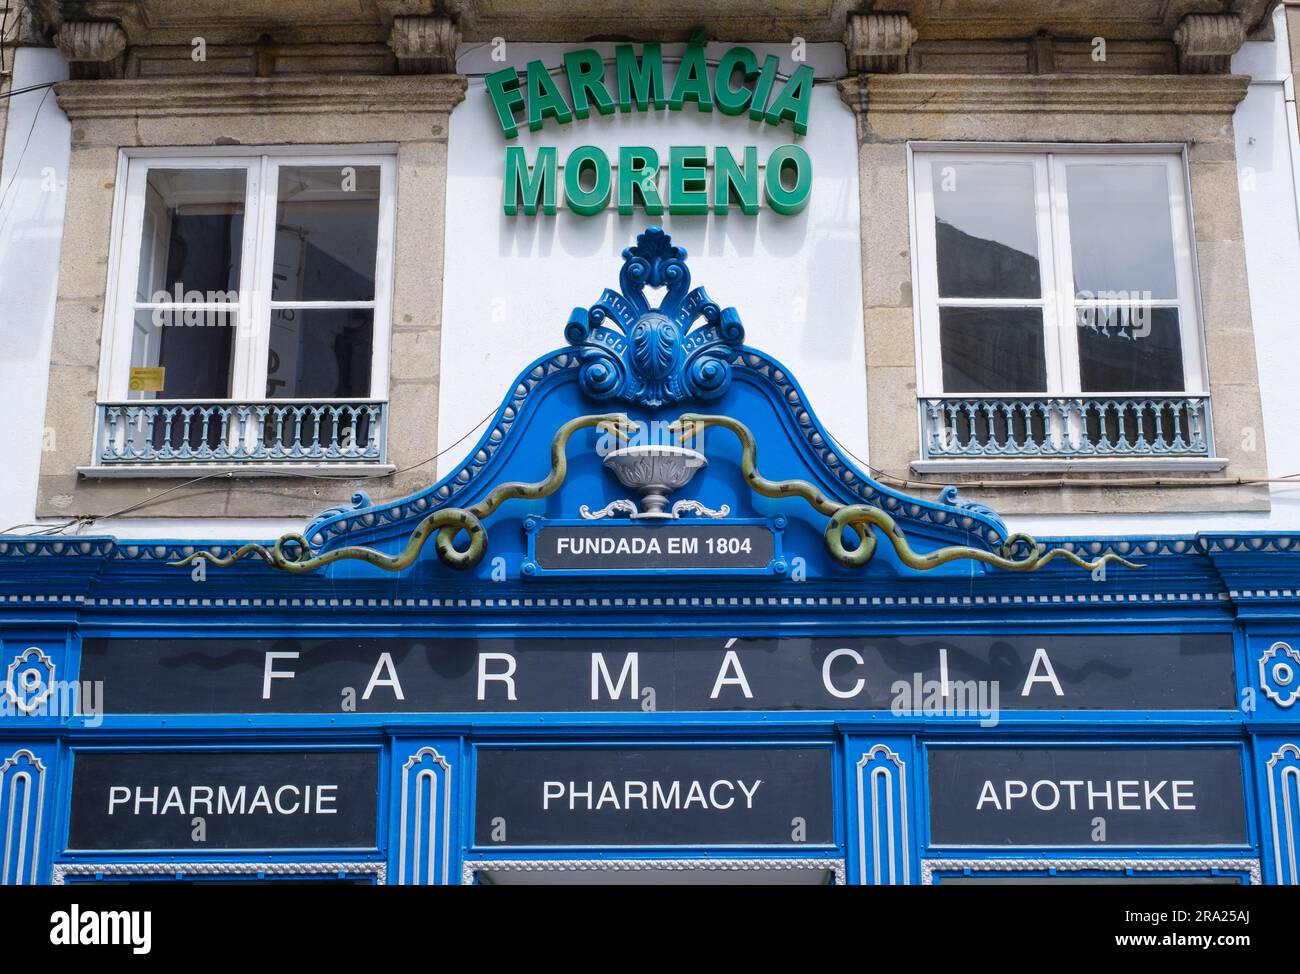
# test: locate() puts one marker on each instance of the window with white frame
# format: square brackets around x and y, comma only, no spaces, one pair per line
[1057,302]
[261,280]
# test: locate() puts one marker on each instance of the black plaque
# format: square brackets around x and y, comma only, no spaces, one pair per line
[1131,671]
[1086,796]
[669,545]
[670,796]
[246,799]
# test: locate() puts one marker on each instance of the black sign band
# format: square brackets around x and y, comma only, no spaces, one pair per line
[966,675]
[195,800]
[1086,796]
[669,796]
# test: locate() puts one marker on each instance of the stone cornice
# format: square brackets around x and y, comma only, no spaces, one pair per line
[1206,42]
[960,94]
[878,42]
[425,45]
[92,49]
[331,95]
[240,22]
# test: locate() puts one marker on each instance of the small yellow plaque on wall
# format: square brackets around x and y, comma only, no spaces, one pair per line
[147,379]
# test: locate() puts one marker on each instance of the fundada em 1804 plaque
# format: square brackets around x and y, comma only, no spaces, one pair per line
[669,545]
[653,796]
[1086,796]
[224,800]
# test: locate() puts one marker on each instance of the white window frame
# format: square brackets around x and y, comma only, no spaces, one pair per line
[1060,333]
[252,335]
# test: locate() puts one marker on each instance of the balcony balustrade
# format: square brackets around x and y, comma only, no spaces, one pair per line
[156,432]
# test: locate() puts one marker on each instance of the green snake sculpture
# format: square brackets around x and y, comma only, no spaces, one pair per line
[446,524]
[862,518]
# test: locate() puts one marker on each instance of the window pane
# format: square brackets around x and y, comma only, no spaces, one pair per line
[1130,350]
[192,235]
[191,346]
[319,353]
[992,350]
[986,235]
[326,233]
[1121,238]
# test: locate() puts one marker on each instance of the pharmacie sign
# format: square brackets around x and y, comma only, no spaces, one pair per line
[636,82]
[224,799]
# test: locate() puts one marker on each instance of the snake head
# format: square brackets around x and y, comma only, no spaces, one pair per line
[622,426]
[687,425]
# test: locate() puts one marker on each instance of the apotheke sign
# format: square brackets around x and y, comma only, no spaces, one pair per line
[1086,796]
[739,86]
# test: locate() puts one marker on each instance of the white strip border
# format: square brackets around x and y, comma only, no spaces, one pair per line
[832,865]
[930,866]
[63,870]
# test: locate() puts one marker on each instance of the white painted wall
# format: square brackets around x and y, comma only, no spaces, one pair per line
[1268,159]
[32,183]
[511,282]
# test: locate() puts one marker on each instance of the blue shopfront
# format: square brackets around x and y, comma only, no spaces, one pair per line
[657,626]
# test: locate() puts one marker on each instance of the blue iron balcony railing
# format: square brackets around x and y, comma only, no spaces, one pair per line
[1056,427]
[141,432]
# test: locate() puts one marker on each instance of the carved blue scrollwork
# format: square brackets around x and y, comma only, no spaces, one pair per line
[360,501]
[655,355]
[949,495]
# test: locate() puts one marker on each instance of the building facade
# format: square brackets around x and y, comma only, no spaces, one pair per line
[476,442]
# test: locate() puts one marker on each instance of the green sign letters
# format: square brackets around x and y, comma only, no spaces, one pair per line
[589,181]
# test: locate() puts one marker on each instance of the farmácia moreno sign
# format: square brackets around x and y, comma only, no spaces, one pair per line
[590,181]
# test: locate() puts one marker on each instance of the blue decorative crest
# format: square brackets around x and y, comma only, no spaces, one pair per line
[655,356]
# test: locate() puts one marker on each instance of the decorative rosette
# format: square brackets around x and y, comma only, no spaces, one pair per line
[632,351]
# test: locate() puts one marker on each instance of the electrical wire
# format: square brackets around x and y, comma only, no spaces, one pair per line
[87,519]
[878,473]
[22,91]
[4,31]
[1059,482]
[22,154]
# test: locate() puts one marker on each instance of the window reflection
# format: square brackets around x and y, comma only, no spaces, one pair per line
[326,233]
[992,350]
[986,237]
[190,348]
[320,353]
[1130,349]
[1121,237]
[193,234]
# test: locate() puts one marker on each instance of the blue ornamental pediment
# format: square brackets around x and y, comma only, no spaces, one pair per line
[655,355]
[648,401]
